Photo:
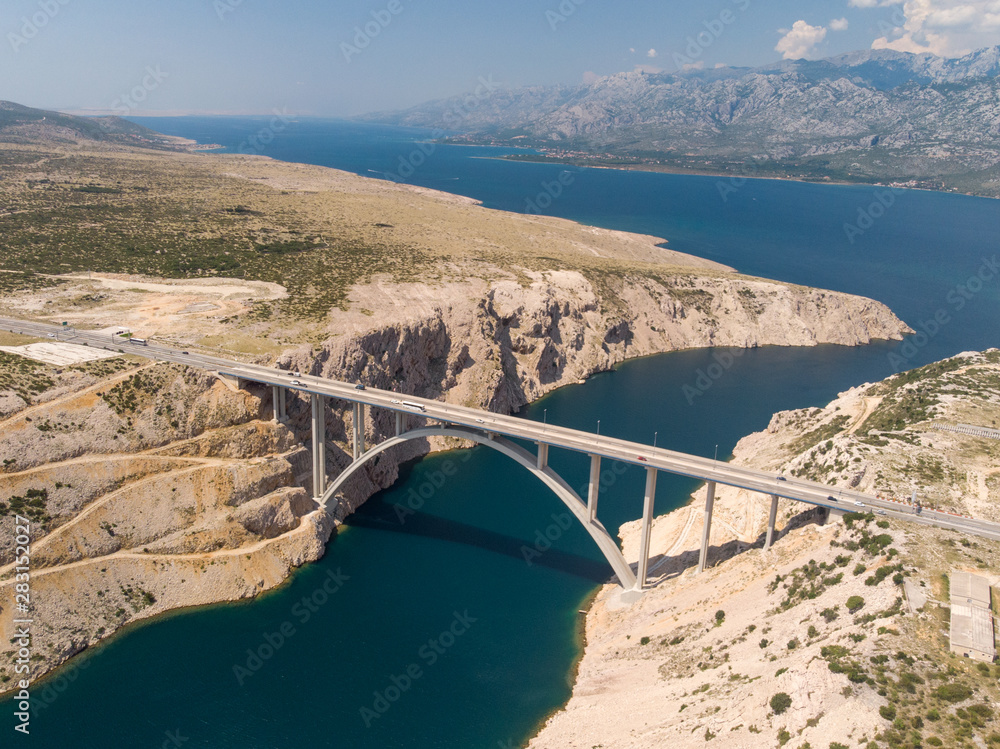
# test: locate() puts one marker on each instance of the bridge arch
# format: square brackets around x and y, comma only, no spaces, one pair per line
[572,500]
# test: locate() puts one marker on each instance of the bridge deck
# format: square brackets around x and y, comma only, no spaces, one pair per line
[706,469]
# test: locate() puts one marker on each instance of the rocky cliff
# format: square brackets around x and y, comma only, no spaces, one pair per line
[700,657]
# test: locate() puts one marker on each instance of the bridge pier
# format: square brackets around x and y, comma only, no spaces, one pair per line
[278,396]
[400,423]
[594,486]
[359,430]
[706,533]
[771,519]
[543,456]
[318,445]
[647,527]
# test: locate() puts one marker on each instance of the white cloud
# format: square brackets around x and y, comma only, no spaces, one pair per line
[632,50]
[839,24]
[800,41]
[949,28]
[863,3]
[652,53]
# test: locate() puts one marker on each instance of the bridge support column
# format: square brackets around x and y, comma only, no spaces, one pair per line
[543,456]
[359,430]
[647,527]
[770,521]
[318,445]
[706,534]
[400,423]
[594,486]
[276,398]
[282,404]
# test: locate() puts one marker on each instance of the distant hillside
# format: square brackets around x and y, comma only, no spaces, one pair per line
[19,123]
[866,116]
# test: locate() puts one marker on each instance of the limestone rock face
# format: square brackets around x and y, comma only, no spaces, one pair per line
[276,513]
[506,343]
[166,488]
[501,344]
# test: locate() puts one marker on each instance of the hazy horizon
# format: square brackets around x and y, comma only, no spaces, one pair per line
[307,58]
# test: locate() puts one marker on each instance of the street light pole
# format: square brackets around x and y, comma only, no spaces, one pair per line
[654,438]
[598,427]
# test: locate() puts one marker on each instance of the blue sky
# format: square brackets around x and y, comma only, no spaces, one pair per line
[305,56]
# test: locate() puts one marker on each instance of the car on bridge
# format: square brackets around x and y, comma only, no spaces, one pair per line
[639,457]
[295,382]
[359,386]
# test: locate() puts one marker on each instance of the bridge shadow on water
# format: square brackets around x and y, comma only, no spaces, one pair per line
[380,516]
[376,515]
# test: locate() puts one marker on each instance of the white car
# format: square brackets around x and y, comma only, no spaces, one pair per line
[295,382]
[859,504]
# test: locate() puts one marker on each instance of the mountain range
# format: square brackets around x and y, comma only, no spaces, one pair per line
[872,116]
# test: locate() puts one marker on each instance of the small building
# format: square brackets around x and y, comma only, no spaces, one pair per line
[972,633]
[970,588]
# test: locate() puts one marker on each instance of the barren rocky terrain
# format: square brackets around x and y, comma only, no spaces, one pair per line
[155,487]
[700,657]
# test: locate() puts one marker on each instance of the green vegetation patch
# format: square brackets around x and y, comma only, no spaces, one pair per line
[805,583]
[25,377]
[31,505]
[172,219]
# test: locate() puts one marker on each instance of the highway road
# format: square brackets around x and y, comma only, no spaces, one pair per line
[693,466]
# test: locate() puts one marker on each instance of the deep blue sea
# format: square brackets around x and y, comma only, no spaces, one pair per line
[439,628]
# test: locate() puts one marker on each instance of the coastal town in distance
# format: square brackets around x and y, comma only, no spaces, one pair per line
[552,375]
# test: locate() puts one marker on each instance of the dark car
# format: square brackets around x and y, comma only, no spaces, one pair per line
[359,386]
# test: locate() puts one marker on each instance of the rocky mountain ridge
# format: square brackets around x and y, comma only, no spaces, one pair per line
[869,116]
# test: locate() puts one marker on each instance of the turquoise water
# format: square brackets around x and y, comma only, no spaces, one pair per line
[400,623]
